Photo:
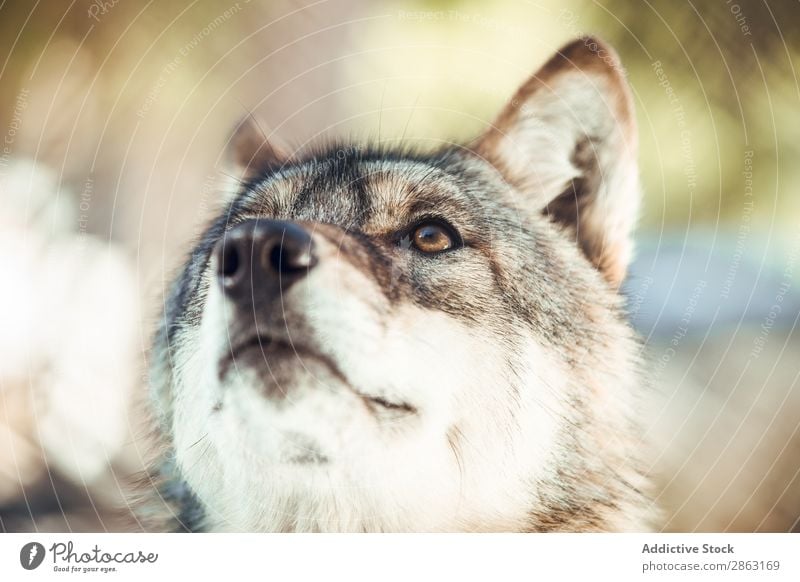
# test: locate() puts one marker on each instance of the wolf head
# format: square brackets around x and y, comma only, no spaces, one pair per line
[375,340]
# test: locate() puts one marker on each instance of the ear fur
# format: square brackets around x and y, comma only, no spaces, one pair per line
[250,153]
[567,143]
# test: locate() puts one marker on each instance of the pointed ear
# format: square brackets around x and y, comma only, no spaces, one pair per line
[249,153]
[567,142]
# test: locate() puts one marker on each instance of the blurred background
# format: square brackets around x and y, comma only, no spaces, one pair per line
[114,117]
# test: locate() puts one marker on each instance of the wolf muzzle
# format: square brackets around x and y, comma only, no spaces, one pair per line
[260,259]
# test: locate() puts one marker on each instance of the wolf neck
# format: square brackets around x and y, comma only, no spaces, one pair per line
[314,514]
[306,514]
[302,521]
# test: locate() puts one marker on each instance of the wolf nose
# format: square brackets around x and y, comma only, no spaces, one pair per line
[261,258]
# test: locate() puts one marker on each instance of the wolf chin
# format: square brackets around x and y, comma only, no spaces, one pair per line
[378,339]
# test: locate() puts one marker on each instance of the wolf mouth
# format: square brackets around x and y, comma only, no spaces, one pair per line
[269,347]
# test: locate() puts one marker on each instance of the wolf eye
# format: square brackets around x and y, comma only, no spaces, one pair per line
[432,237]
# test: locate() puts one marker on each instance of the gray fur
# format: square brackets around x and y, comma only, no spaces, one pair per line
[523,284]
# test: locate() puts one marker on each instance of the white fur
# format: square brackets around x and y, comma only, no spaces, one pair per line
[382,473]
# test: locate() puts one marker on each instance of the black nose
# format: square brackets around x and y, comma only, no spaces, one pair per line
[260,258]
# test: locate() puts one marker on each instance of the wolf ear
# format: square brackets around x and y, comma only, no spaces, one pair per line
[249,153]
[567,142]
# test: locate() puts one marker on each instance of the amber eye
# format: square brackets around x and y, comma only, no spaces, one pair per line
[432,238]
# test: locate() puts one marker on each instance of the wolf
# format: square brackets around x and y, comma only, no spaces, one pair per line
[372,338]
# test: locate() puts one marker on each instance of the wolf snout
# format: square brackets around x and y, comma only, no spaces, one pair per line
[259,259]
